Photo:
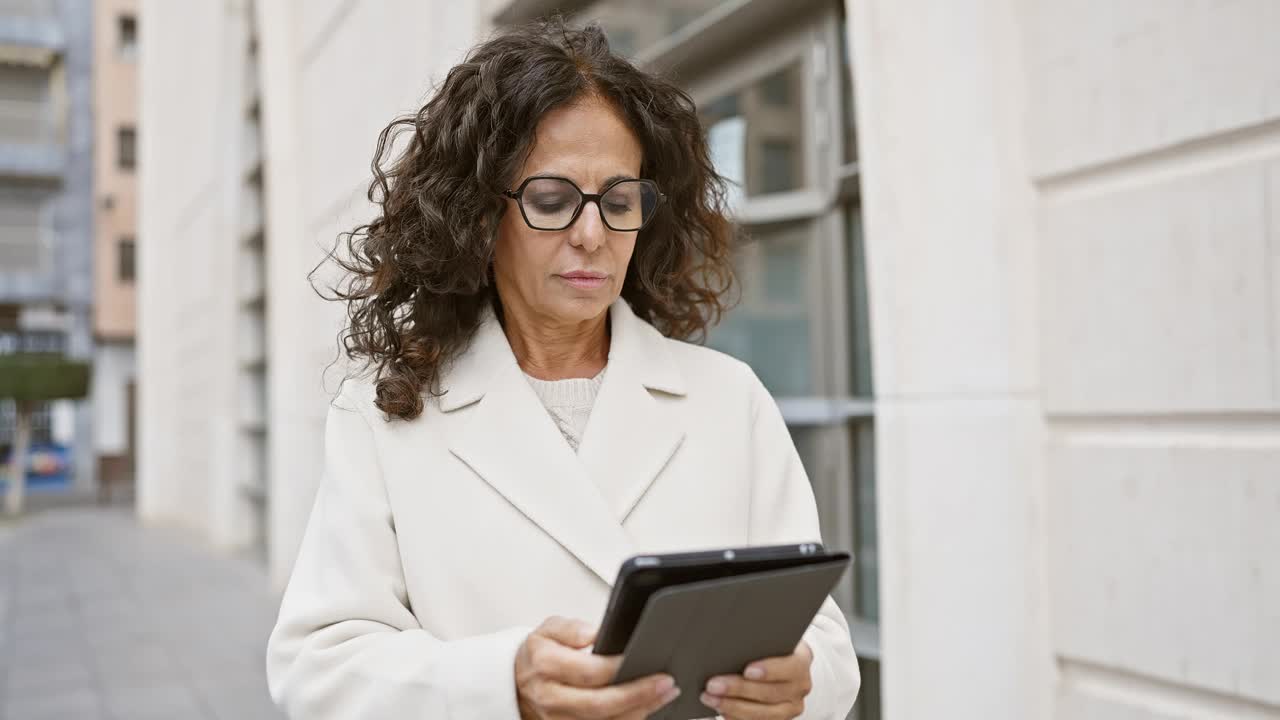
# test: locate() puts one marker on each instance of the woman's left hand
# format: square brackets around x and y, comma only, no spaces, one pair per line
[770,689]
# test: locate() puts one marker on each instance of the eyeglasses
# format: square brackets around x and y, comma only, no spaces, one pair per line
[554,203]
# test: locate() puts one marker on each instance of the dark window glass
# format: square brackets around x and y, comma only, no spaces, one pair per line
[125,256]
[756,134]
[128,28]
[126,148]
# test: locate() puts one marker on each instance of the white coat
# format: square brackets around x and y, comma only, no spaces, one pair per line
[436,545]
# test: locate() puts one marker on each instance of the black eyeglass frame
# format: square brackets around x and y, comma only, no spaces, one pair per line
[584,198]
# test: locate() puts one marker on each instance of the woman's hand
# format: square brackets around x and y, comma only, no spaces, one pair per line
[556,679]
[771,689]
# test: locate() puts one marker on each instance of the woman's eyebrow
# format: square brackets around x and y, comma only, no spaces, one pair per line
[564,176]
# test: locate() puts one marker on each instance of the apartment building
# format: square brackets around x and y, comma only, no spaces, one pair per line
[46,221]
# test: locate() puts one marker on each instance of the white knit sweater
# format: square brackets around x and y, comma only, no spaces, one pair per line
[569,402]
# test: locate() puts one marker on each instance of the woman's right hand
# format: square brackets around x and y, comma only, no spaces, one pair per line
[556,679]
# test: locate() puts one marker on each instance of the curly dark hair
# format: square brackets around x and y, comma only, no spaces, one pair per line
[418,276]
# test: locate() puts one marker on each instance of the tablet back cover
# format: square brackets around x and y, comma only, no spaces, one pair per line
[717,627]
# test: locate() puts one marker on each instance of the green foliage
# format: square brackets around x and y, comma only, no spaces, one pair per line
[37,377]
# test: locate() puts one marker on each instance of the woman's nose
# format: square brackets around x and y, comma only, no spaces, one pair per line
[588,231]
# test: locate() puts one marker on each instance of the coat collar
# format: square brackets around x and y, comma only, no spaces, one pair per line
[635,346]
[497,426]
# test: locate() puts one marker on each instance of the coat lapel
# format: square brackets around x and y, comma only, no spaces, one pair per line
[496,425]
[632,434]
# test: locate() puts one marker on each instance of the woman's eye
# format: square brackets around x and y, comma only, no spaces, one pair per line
[551,204]
[617,207]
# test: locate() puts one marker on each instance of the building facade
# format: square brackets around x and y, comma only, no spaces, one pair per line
[115,96]
[1071,224]
[1011,275]
[46,219]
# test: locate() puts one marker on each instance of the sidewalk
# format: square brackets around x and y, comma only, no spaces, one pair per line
[103,620]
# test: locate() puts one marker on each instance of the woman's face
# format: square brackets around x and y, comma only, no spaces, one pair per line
[569,276]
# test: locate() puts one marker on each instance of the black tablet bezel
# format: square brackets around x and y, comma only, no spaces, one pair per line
[642,575]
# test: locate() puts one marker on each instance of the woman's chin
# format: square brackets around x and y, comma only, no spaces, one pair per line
[581,308]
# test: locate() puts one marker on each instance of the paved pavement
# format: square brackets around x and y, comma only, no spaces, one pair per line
[103,620]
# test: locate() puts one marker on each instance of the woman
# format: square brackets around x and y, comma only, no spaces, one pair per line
[551,229]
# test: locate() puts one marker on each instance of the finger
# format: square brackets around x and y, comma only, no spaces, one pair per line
[735,686]
[611,701]
[653,707]
[779,669]
[567,631]
[735,709]
[569,666]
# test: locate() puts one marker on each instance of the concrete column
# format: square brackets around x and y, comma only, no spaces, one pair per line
[322,113]
[186,250]
[293,459]
[949,219]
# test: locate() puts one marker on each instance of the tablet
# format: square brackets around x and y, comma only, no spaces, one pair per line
[702,629]
[642,576]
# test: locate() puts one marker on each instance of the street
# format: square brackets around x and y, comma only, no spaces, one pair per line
[103,619]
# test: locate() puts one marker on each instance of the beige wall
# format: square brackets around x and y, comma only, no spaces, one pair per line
[115,98]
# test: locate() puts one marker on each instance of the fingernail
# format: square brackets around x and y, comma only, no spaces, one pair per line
[710,700]
[754,673]
[664,685]
[716,687]
[672,694]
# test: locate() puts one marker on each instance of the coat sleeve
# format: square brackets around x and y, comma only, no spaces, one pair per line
[346,645]
[783,511]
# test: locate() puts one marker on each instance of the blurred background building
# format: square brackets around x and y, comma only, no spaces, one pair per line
[1014,278]
[115,153]
[46,223]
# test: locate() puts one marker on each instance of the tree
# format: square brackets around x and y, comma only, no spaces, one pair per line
[29,379]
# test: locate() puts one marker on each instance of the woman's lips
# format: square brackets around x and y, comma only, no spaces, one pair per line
[584,281]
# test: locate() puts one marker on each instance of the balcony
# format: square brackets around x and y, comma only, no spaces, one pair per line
[31,137]
[27,8]
[32,162]
[30,25]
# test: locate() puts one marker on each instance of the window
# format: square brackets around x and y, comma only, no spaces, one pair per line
[776,89]
[634,27]
[22,247]
[41,425]
[125,268]
[779,166]
[757,133]
[126,148]
[128,31]
[849,126]
[866,566]
[622,41]
[772,326]
[26,115]
[860,381]
[13,340]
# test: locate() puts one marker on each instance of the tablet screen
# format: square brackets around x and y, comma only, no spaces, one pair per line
[644,575]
